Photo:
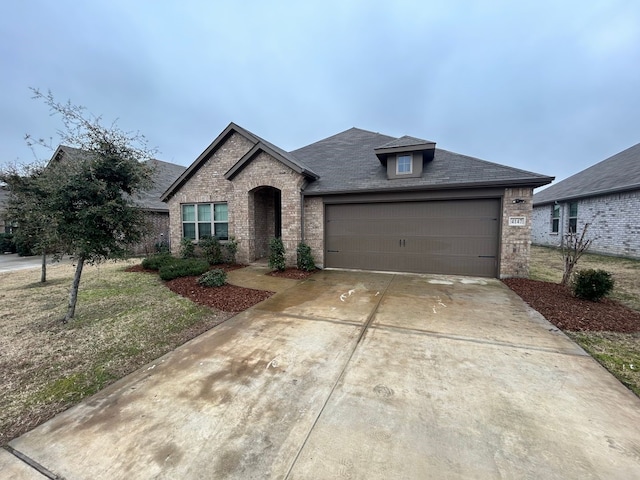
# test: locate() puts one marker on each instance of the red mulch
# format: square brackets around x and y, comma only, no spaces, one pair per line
[292,273]
[560,307]
[228,298]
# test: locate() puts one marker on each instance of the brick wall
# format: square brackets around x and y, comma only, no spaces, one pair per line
[516,240]
[247,201]
[157,232]
[614,223]
[314,228]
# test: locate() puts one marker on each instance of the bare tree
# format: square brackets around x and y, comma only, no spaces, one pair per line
[574,246]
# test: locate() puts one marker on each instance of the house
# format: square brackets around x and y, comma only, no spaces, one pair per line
[156,211]
[5,225]
[606,196]
[360,200]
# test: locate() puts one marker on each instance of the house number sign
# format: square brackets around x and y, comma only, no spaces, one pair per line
[517,221]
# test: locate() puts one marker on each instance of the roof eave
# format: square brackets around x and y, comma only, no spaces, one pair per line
[261,147]
[597,193]
[531,182]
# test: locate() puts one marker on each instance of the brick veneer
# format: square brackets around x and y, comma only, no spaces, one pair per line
[516,241]
[208,184]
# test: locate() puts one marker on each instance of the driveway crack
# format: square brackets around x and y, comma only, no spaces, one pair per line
[361,335]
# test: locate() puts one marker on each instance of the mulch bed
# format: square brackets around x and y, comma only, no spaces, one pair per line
[557,304]
[228,298]
[292,273]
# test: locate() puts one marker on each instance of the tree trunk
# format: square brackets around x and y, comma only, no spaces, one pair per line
[43,273]
[73,293]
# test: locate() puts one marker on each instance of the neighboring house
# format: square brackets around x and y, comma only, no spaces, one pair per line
[5,226]
[156,211]
[361,200]
[605,195]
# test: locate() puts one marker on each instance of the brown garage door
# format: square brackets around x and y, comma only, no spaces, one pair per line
[457,237]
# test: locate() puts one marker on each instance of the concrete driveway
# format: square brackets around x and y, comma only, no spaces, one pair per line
[356,375]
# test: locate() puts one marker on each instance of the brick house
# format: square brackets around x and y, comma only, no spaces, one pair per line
[361,200]
[605,195]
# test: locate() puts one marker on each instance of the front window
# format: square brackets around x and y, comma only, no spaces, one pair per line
[555,219]
[403,164]
[573,217]
[204,220]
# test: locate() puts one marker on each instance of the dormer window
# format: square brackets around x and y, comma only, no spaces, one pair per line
[404,165]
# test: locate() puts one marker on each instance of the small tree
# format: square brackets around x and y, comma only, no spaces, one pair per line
[27,204]
[90,195]
[574,246]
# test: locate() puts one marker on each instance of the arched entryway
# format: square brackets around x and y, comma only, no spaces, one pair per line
[266,204]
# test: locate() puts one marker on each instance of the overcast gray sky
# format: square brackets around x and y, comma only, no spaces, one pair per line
[547,86]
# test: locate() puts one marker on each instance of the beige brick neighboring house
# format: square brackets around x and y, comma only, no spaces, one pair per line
[361,200]
[606,196]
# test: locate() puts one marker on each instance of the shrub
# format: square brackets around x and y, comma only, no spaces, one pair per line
[6,243]
[592,284]
[231,248]
[184,267]
[154,262]
[162,247]
[305,259]
[213,278]
[211,250]
[187,248]
[276,254]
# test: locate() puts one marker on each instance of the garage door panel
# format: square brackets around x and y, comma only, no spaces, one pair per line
[454,237]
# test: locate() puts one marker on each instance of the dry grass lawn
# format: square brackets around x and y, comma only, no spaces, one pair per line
[123,321]
[617,352]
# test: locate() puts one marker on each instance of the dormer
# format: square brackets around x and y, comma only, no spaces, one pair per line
[405,156]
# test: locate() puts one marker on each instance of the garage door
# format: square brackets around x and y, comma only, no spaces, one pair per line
[458,237]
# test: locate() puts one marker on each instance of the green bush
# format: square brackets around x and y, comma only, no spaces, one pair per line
[231,248]
[276,254]
[183,267]
[187,248]
[6,243]
[154,262]
[211,250]
[592,284]
[213,278]
[305,259]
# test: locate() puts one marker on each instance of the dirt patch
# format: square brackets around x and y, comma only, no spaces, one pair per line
[560,307]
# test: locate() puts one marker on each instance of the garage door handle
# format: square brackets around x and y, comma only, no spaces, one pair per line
[333,251]
[486,256]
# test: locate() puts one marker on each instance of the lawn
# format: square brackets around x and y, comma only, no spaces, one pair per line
[617,352]
[123,321]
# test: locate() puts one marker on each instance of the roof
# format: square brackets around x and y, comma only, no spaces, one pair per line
[618,173]
[163,175]
[259,145]
[347,163]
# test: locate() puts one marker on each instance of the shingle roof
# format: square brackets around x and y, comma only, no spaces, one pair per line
[164,174]
[620,172]
[405,141]
[346,162]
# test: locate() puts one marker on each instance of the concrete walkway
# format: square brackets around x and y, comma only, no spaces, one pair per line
[356,375]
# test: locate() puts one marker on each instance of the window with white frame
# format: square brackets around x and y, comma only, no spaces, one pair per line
[200,220]
[403,164]
[555,219]
[573,217]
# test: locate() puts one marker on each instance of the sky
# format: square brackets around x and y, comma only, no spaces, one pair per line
[546,86]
